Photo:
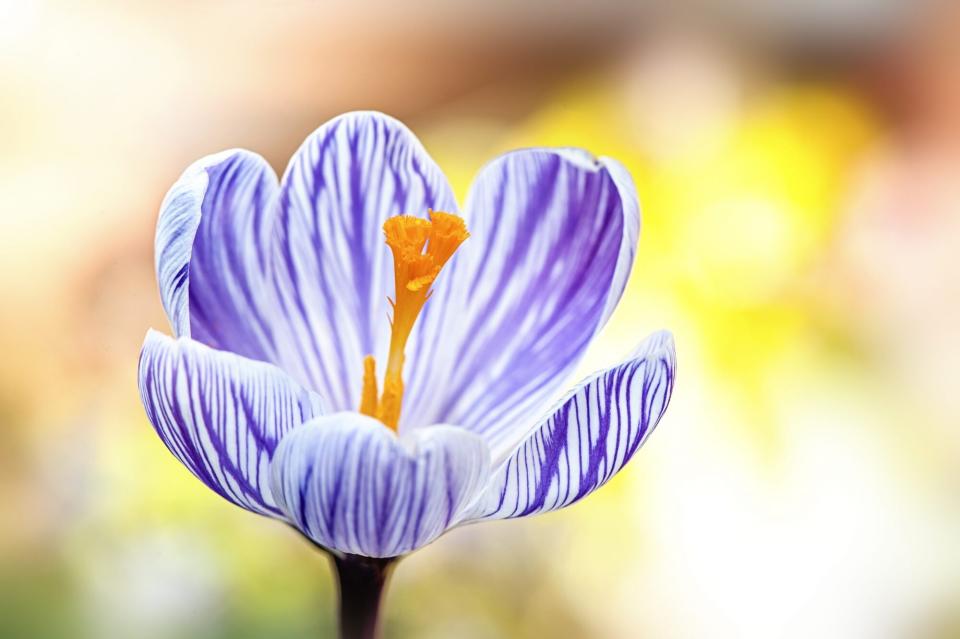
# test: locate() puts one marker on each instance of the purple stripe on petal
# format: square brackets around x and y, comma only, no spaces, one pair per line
[213,255]
[349,484]
[553,236]
[334,271]
[220,414]
[591,435]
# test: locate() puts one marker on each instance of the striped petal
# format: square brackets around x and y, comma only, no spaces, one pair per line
[553,236]
[592,435]
[220,414]
[212,254]
[334,270]
[351,485]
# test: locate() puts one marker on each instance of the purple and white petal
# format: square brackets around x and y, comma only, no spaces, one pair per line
[212,253]
[220,414]
[553,236]
[351,485]
[592,434]
[334,270]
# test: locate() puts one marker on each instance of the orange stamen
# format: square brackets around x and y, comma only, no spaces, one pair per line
[420,250]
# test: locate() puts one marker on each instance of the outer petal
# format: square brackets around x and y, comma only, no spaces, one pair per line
[212,253]
[221,415]
[349,484]
[593,434]
[553,236]
[334,270]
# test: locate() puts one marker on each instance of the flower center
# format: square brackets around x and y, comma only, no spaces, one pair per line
[420,249]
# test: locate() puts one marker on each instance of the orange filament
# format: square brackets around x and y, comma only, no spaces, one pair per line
[420,249]
[368,401]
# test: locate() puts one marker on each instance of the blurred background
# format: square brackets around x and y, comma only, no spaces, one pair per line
[799,168]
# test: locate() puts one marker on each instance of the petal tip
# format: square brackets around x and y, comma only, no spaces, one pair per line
[575,156]
[664,338]
[658,344]
[155,340]
[580,158]
[153,334]
[354,119]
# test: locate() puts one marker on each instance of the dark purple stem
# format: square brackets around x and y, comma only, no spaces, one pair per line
[361,582]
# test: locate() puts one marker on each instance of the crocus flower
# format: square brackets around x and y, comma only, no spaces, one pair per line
[356,359]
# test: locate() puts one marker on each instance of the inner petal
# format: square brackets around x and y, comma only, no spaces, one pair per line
[555,233]
[331,270]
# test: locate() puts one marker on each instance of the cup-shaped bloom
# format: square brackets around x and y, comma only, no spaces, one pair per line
[288,306]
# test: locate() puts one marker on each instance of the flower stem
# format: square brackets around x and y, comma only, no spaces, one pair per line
[361,582]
